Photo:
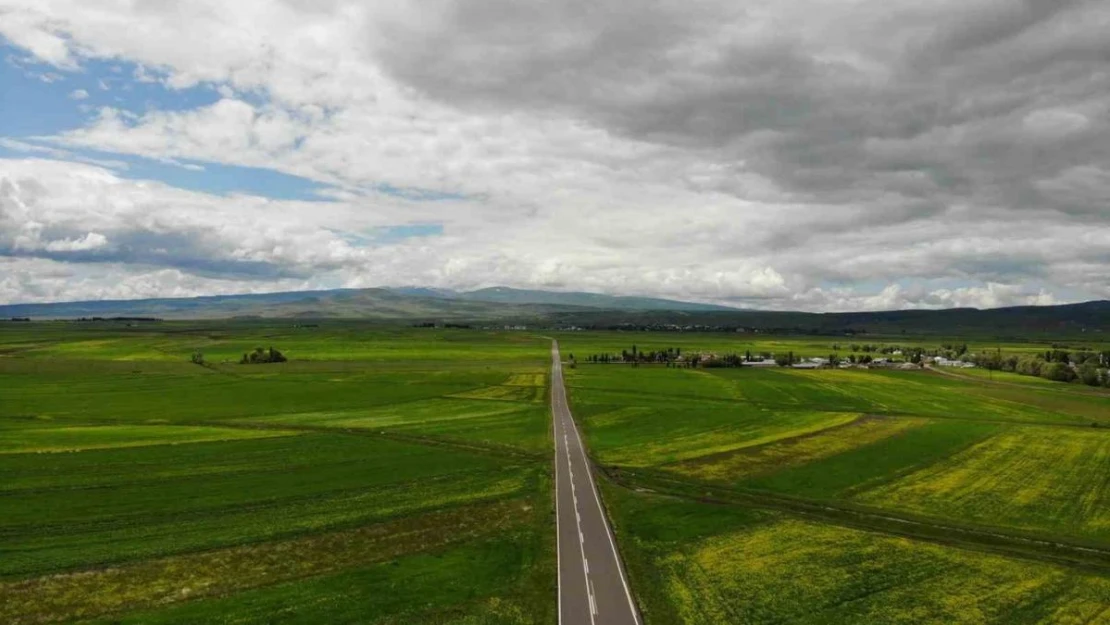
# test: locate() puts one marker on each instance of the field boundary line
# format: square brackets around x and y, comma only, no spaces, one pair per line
[374,433]
[1030,546]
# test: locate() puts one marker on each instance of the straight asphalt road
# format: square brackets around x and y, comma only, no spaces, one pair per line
[593,588]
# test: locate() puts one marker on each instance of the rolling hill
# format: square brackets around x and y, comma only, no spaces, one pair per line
[587,310]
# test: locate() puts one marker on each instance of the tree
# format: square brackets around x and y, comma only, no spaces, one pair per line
[1057,371]
[1088,374]
[262,356]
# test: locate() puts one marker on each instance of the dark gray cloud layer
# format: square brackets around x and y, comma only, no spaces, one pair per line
[999,103]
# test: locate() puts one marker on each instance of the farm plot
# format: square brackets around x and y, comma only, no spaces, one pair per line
[1034,478]
[803,572]
[512,414]
[895,447]
[66,523]
[747,462]
[77,438]
[867,466]
[350,483]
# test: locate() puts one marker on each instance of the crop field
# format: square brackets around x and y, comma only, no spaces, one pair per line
[381,475]
[1030,478]
[850,496]
[403,475]
[787,570]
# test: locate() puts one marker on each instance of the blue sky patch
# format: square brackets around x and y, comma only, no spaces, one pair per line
[37,99]
[390,234]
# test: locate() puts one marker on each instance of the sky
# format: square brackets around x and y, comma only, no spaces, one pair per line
[822,155]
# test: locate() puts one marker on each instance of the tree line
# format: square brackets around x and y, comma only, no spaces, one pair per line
[1060,365]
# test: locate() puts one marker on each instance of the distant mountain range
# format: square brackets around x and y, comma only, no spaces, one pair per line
[505,295]
[587,310]
[385,303]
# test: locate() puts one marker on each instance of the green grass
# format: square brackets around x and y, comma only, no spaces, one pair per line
[732,467]
[475,583]
[1031,478]
[873,464]
[803,572]
[382,475]
[401,475]
[243,567]
[77,438]
[849,496]
[66,527]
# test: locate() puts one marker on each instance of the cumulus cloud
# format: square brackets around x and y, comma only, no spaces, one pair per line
[807,155]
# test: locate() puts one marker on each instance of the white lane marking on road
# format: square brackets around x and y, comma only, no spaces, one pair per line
[608,532]
[581,536]
[558,541]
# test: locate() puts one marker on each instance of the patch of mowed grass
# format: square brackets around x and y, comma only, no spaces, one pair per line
[53,528]
[1028,477]
[188,393]
[475,583]
[135,465]
[925,394]
[522,425]
[641,436]
[684,414]
[328,340]
[796,451]
[805,572]
[525,428]
[77,438]
[786,389]
[649,381]
[505,393]
[871,465]
[173,579]
[1093,407]
[1003,376]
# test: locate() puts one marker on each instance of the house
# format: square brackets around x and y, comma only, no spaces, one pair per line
[941,361]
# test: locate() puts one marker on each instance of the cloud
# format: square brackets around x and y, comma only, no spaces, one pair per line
[78,94]
[788,155]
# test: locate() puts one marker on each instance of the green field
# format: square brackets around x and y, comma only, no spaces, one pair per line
[382,475]
[403,475]
[849,496]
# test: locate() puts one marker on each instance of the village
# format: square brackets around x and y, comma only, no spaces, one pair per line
[869,357]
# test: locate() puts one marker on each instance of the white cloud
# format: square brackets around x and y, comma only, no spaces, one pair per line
[90,241]
[795,155]
[78,94]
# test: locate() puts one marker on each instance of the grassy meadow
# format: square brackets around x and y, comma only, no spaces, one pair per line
[400,475]
[381,475]
[848,496]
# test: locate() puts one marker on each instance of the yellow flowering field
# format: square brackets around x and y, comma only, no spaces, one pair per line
[806,572]
[795,451]
[1035,478]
